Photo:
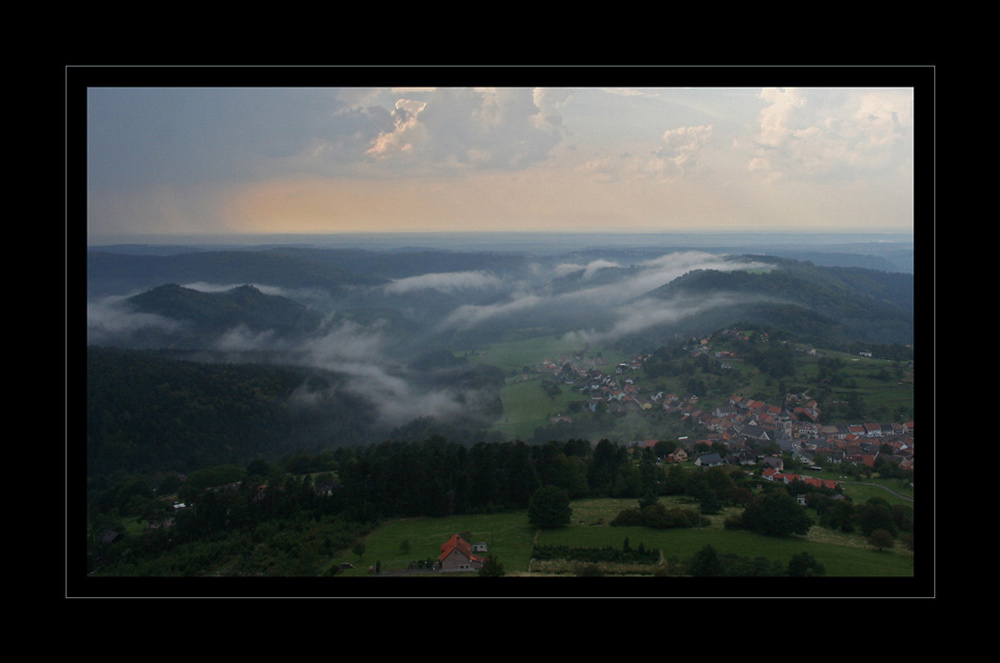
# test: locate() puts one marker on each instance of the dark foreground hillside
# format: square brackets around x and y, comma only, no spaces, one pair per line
[148,412]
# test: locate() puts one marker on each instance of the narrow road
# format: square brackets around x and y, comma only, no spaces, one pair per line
[890,490]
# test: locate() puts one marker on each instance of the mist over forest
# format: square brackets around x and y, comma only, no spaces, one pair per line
[387,328]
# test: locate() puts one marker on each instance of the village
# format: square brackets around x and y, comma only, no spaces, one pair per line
[735,432]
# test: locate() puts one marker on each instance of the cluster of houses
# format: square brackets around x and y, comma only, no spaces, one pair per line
[794,428]
[741,425]
[618,392]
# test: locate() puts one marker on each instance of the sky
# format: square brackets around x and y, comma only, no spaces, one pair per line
[282,160]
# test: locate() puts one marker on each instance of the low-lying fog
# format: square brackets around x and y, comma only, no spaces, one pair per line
[370,333]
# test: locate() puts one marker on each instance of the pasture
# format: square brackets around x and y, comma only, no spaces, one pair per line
[510,538]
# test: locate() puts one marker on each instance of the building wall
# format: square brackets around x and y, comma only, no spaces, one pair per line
[456,561]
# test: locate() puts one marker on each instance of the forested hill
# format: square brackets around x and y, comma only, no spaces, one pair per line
[152,412]
[831,305]
[149,412]
[218,311]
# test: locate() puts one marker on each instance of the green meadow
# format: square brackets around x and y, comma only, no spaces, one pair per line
[513,356]
[396,543]
[526,404]
[510,539]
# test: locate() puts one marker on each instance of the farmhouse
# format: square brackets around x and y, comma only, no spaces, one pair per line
[457,555]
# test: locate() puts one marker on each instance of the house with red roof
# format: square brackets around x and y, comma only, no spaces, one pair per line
[457,555]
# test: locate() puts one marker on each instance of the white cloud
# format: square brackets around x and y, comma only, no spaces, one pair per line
[588,270]
[567,268]
[242,339]
[110,320]
[358,353]
[468,316]
[474,127]
[600,299]
[643,314]
[682,147]
[444,282]
[677,154]
[183,160]
[596,266]
[804,133]
[407,133]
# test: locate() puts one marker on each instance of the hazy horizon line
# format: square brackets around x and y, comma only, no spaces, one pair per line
[110,238]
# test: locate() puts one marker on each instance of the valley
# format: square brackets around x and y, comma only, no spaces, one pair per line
[376,385]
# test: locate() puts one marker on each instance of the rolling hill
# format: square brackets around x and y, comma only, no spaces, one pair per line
[215,312]
[829,306]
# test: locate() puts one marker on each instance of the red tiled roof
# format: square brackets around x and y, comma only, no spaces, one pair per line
[458,543]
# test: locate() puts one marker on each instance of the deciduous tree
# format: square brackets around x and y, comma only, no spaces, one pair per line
[881,539]
[549,507]
[776,513]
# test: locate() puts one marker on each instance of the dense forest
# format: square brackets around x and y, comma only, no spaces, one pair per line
[832,306]
[151,412]
[158,411]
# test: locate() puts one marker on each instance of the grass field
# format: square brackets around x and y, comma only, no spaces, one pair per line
[526,406]
[514,355]
[866,376]
[510,539]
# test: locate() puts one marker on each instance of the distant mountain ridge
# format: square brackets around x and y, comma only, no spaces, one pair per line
[218,311]
[108,272]
[473,298]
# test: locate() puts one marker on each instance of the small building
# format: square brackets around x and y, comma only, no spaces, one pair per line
[709,460]
[457,555]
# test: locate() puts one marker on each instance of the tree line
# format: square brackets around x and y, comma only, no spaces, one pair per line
[286,517]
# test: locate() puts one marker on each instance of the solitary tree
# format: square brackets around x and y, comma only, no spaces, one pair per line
[549,507]
[881,539]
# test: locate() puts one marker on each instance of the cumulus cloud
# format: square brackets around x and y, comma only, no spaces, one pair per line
[407,133]
[444,282]
[679,152]
[831,132]
[681,148]
[474,127]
